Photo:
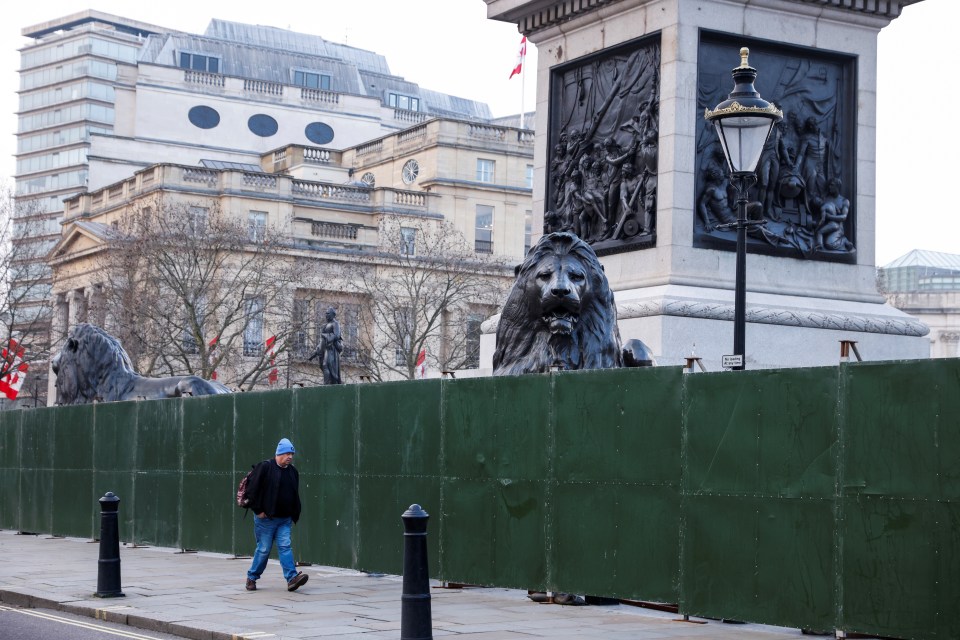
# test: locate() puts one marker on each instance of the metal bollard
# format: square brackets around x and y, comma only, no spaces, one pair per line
[108,573]
[415,617]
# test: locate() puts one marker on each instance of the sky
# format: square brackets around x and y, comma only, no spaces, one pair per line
[450,46]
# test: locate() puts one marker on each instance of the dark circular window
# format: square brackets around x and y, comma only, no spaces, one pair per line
[204,117]
[262,125]
[319,133]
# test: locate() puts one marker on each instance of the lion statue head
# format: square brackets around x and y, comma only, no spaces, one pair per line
[560,312]
[93,366]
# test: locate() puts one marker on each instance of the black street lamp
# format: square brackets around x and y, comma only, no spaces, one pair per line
[743,122]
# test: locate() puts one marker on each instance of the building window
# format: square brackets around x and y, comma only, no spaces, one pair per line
[483,242]
[403,319]
[319,133]
[197,222]
[408,241]
[311,80]
[485,170]
[401,101]
[529,176]
[349,315]
[188,340]
[262,125]
[410,171]
[474,320]
[256,225]
[301,345]
[253,332]
[199,62]
[203,117]
[527,231]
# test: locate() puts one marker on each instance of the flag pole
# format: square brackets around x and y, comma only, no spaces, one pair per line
[523,76]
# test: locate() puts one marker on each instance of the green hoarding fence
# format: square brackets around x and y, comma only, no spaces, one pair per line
[822,499]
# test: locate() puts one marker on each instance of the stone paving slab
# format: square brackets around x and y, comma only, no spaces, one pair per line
[202,596]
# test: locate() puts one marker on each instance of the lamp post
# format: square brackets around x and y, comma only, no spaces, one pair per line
[743,122]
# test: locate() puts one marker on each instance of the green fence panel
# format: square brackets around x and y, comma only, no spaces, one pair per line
[898,531]
[812,498]
[399,436]
[36,477]
[10,465]
[75,507]
[618,436]
[759,478]
[254,441]
[209,490]
[157,485]
[115,460]
[325,419]
[497,449]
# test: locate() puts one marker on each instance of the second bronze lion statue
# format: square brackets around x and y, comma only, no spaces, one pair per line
[92,366]
[560,312]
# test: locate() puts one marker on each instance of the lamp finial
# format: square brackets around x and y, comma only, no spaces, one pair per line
[744,54]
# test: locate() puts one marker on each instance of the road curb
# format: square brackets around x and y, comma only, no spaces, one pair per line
[135,620]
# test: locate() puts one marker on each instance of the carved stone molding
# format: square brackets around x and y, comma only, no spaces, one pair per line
[760,315]
[537,16]
[773,315]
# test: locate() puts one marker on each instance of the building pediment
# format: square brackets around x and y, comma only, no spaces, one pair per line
[79,238]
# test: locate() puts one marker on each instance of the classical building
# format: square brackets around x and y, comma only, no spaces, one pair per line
[335,209]
[926,284]
[103,97]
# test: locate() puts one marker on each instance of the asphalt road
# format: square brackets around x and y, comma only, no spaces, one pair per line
[40,624]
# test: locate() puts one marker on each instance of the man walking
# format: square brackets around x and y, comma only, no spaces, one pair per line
[273,492]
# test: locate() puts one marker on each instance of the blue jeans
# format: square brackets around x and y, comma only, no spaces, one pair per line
[267,531]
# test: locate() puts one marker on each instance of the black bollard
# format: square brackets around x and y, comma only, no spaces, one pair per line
[415,619]
[108,573]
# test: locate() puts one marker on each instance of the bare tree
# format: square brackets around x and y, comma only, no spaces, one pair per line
[192,290]
[25,306]
[424,292]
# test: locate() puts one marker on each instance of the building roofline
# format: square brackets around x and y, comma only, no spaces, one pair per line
[124,25]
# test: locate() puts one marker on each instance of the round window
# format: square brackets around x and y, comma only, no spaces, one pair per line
[369,179]
[203,117]
[319,133]
[262,125]
[411,169]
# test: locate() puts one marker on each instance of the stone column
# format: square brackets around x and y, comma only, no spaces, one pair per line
[94,302]
[58,329]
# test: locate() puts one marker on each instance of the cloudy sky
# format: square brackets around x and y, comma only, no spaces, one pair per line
[450,46]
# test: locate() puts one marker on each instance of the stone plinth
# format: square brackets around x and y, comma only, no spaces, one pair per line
[675,288]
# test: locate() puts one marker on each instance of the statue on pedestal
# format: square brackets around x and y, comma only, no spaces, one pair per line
[329,349]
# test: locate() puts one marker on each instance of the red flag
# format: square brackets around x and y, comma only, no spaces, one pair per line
[274,374]
[14,370]
[422,364]
[521,55]
[212,355]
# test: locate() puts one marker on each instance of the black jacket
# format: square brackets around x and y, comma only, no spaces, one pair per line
[264,485]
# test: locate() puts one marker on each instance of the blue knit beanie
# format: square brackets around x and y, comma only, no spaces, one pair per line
[285,446]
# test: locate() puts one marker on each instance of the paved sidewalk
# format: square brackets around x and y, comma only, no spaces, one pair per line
[202,596]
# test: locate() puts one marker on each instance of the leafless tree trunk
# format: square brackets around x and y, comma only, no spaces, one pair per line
[420,294]
[193,290]
[25,307]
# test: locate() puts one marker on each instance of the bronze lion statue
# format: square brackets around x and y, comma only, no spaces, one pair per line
[92,366]
[560,312]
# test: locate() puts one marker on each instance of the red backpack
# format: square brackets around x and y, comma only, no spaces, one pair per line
[242,499]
